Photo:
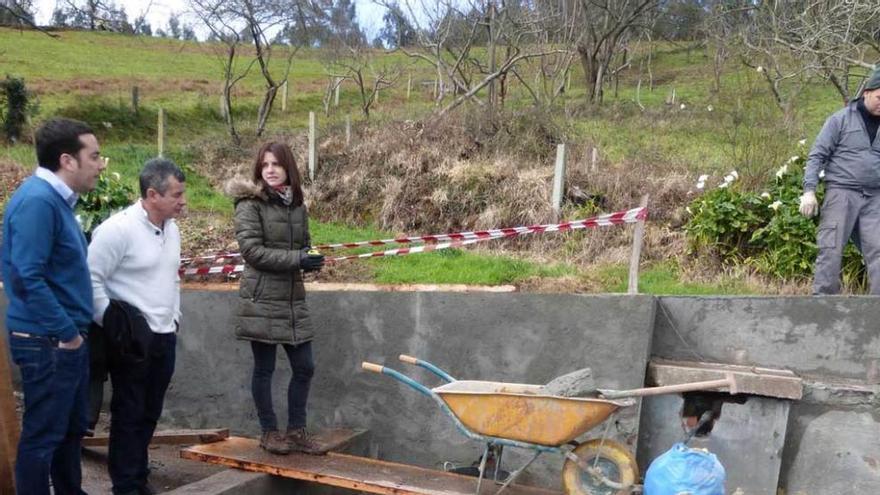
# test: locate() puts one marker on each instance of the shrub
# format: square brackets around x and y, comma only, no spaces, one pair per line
[765,230]
[16,106]
[110,195]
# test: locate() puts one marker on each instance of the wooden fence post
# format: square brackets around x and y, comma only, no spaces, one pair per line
[313,152]
[408,86]
[284,97]
[638,237]
[559,180]
[161,134]
[347,130]
[338,82]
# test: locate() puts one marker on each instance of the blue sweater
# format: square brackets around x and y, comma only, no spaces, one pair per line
[43,260]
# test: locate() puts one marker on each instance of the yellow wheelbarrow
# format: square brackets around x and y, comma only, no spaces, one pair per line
[518,415]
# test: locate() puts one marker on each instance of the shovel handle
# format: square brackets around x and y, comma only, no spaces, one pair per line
[728,382]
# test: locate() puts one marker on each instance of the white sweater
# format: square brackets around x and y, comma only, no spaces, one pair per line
[132,260]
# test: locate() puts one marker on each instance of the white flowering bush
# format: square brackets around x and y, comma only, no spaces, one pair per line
[763,230]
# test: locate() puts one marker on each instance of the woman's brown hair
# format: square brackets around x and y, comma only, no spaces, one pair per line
[285,159]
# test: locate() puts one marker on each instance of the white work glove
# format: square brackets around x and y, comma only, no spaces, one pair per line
[809,204]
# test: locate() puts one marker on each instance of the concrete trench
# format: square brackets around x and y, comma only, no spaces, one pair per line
[823,444]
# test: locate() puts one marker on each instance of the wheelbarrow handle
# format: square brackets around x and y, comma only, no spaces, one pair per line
[375,368]
[378,368]
[408,359]
[428,366]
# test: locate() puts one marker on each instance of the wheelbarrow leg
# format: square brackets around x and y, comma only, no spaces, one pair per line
[483,466]
[519,471]
[498,455]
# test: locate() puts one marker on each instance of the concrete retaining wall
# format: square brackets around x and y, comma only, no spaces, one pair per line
[831,435]
[830,438]
[521,338]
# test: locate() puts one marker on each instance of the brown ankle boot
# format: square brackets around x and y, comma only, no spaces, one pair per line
[274,442]
[299,439]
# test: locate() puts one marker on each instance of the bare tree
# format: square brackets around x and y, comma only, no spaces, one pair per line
[449,30]
[833,39]
[241,26]
[358,65]
[93,15]
[20,13]
[605,26]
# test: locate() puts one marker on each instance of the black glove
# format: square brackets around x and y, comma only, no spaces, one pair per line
[310,262]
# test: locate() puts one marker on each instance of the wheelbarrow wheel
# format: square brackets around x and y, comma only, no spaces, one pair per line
[612,459]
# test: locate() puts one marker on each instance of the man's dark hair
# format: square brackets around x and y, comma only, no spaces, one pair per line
[155,175]
[56,137]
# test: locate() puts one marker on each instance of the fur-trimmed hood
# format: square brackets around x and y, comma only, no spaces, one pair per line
[240,188]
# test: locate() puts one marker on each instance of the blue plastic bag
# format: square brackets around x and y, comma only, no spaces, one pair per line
[682,470]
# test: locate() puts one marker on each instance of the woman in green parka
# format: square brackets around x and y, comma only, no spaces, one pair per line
[272,229]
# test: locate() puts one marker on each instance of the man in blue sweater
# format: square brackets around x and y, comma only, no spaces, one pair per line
[46,278]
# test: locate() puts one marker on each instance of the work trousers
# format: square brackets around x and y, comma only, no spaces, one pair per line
[135,407]
[55,386]
[302,367]
[846,212]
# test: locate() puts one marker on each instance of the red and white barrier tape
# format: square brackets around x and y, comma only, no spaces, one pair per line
[432,242]
[628,216]
[426,248]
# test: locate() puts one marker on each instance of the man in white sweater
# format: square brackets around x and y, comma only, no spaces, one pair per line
[134,257]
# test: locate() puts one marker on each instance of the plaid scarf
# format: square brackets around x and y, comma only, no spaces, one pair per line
[285,193]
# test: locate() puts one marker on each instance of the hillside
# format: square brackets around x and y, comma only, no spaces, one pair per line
[404,175]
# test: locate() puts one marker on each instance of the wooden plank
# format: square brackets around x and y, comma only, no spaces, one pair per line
[769,382]
[345,471]
[169,437]
[217,484]
[9,429]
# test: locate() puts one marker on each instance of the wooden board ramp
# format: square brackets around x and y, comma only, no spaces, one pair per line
[169,437]
[345,471]
[768,382]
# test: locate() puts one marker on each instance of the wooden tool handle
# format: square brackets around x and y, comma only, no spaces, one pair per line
[408,359]
[375,368]
[729,382]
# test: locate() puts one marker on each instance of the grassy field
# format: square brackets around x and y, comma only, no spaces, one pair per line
[90,76]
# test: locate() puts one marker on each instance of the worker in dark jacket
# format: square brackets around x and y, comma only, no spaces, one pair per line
[272,229]
[848,151]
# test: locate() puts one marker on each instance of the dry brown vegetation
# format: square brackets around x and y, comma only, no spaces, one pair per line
[11,175]
[122,85]
[469,172]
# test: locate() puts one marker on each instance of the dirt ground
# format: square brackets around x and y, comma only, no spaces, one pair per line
[167,470]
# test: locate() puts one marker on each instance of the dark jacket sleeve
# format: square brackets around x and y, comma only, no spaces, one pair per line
[251,241]
[307,236]
[823,148]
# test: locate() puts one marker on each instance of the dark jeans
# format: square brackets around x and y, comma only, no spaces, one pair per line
[135,407]
[303,368]
[55,385]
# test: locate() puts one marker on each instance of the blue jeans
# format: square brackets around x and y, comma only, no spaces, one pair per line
[303,368]
[55,385]
[138,396]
